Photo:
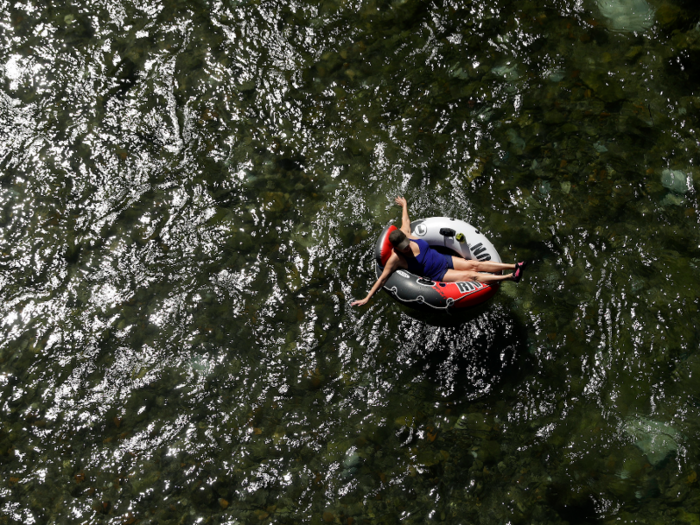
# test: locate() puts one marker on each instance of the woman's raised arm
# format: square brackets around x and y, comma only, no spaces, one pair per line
[405,221]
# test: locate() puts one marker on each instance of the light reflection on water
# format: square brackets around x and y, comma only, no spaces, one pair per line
[190,195]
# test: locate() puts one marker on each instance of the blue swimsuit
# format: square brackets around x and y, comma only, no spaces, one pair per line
[429,263]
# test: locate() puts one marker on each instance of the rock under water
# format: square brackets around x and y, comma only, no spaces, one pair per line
[627,15]
[676,181]
[656,439]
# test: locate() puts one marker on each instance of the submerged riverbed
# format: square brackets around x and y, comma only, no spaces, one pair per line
[190,193]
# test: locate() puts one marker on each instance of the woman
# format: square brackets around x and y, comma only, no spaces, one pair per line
[416,256]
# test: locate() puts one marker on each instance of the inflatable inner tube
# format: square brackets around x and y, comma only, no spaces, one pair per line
[450,236]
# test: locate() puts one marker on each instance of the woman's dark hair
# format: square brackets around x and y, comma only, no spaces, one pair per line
[396,237]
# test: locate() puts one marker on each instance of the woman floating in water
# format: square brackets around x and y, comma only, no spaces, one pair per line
[416,256]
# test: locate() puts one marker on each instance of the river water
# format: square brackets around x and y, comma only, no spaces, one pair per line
[190,193]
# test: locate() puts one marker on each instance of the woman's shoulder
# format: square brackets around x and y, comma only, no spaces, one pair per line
[396,259]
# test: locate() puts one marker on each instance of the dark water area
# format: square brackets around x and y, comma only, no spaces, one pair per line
[190,193]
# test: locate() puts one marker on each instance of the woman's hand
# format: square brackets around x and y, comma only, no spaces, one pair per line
[360,302]
[401,201]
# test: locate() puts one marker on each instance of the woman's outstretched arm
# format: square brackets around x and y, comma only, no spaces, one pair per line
[391,266]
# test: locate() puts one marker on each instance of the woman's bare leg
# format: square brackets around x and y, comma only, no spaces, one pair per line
[453,276]
[477,266]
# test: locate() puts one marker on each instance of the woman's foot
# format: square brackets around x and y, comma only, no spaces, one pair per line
[519,269]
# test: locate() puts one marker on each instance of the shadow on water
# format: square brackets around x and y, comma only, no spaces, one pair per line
[465,354]
[583,514]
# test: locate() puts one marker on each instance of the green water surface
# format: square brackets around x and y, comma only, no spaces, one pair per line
[190,192]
